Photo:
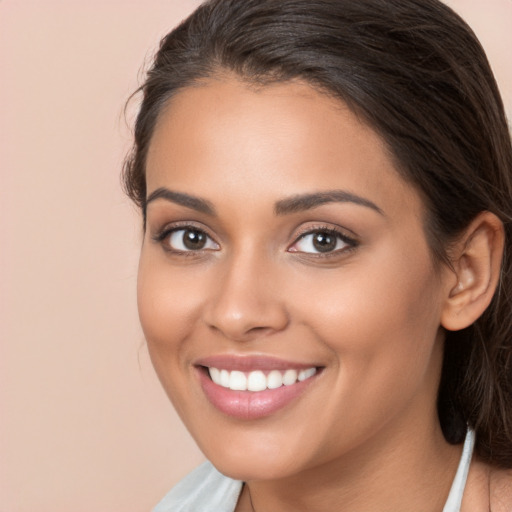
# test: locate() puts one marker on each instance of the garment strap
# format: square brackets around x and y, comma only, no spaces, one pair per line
[454,500]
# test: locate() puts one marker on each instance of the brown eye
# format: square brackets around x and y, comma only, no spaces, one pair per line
[322,241]
[194,240]
[190,239]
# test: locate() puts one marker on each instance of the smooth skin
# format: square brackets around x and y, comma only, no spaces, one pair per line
[369,310]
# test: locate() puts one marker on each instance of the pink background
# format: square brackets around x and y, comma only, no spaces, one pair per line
[84,425]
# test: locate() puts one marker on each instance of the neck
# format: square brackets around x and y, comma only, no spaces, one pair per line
[392,474]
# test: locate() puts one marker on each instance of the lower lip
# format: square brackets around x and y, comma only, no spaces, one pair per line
[250,405]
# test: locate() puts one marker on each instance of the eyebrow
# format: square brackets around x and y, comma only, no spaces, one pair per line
[304,202]
[293,204]
[192,202]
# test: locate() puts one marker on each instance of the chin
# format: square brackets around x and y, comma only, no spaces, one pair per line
[253,469]
[254,460]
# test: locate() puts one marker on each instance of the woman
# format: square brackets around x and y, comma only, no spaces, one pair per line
[325,277]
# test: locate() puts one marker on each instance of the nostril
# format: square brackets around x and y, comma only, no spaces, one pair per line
[259,329]
[245,328]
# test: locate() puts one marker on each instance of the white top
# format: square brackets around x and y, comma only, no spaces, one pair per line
[207,490]
[459,482]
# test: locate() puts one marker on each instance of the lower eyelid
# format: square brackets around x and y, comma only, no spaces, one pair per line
[209,240]
[167,232]
[163,236]
[349,242]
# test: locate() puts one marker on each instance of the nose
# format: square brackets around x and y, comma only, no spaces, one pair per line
[247,301]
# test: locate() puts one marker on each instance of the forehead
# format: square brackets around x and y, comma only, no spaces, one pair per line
[227,138]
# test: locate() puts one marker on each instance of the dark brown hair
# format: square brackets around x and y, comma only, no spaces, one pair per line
[415,72]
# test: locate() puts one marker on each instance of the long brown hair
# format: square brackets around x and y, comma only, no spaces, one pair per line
[415,72]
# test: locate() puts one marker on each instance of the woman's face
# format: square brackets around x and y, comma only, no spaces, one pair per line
[284,251]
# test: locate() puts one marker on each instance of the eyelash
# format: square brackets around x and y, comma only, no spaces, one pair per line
[166,232]
[350,242]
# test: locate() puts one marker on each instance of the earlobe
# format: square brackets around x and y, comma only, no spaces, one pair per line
[476,262]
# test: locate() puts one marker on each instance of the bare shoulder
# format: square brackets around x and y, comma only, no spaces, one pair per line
[487,489]
[500,490]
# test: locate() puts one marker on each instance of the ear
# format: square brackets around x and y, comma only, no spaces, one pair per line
[476,262]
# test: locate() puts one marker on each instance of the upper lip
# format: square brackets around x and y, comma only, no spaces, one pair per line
[232,362]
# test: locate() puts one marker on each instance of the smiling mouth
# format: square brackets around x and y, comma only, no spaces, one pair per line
[258,380]
[254,387]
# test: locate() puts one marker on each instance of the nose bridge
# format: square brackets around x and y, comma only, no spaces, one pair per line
[247,301]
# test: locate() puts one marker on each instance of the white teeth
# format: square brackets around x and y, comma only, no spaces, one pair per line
[237,381]
[224,379]
[305,374]
[274,379]
[257,380]
[215,374]
[290,377]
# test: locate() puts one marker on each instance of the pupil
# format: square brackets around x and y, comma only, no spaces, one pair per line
[194,239]
[324,242]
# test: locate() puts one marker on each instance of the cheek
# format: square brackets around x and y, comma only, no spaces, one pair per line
[381,330]
[379,320]
[169,303]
